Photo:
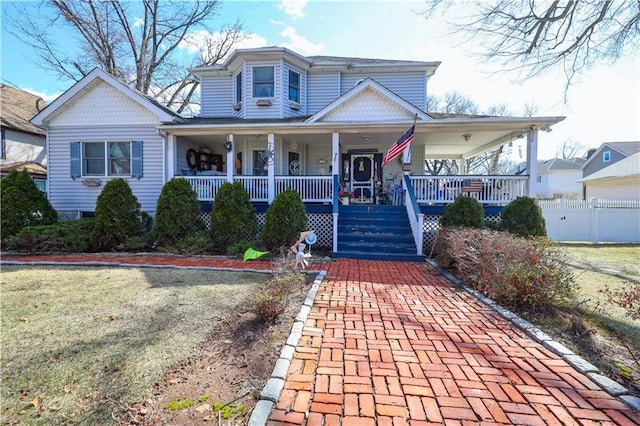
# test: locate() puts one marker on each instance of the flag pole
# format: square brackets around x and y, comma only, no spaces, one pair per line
[406,153]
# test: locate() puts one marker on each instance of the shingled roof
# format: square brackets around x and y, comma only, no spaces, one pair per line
[17,107]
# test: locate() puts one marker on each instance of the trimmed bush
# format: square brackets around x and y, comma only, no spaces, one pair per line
[286,218]
[23,204]
[70,236]
[527,274]
[523,217]
[466,212]
[233,217]
[117,218]
[178,213]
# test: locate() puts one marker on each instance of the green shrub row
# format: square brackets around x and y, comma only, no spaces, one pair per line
[119,224]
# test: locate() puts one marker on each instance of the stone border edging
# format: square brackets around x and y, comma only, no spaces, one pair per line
[612,387]
[273,388]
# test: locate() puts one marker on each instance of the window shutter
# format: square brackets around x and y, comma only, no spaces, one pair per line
[74,156]
[136,159]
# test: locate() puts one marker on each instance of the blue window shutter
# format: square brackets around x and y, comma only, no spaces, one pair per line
[74,155]
[136,159]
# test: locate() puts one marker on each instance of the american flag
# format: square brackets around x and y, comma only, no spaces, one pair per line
[399,146]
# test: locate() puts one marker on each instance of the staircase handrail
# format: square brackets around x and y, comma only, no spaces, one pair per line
[416,218]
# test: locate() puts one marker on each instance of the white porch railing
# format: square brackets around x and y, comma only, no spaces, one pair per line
[207,187]
[257,187]
[416,219]
[310,188]
[485,189]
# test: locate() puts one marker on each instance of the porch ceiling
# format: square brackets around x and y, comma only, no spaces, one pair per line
[441,139]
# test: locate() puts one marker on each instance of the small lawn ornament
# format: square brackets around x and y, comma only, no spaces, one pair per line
[298,248]
[252,254]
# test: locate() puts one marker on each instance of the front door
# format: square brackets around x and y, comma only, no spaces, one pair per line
[362,177]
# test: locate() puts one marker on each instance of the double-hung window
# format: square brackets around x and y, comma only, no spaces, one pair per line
[106,158]
[263,82]
[294,86]
[239,87]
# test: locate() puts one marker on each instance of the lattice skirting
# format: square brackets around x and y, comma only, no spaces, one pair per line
[321,223]
[432,225]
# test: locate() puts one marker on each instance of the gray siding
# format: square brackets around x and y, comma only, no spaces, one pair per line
[597,164]
[412,87]
[284,93]
[270,111]
[322,89]
[216,97]
[67,195]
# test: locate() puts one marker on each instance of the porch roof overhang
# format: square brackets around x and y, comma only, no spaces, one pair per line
[443,138]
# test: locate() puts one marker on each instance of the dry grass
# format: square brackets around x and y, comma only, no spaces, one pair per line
[80,343]
[600,265]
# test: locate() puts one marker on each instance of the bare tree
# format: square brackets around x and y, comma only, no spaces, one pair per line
[570,149]
[140,43]
[535,36]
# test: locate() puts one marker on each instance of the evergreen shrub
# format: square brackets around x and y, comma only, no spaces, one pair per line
[117,217]
[22,204]
[233,217]
[177,214]
[285,219]
[465,211]
[69,236]
[523,217]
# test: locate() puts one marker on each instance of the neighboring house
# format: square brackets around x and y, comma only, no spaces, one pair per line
[558,178]
[607,154]
[273,119]
[22,144]
[619,181]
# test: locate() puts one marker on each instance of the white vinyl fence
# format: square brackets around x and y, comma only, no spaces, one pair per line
[595,220]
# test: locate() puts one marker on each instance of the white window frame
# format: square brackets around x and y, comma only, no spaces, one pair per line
[254,82]
[238,87]
[294,87]
[106,157]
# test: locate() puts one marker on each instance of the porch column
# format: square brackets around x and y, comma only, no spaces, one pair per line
[271,167]
[335,167]
[170,157]
[231,155]
[462,167]
[335,153]
[532,160]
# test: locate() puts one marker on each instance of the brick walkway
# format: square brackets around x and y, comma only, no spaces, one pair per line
[397,344]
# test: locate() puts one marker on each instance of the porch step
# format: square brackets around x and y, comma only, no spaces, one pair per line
[376,233]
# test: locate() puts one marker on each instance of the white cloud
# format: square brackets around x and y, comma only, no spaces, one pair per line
[274,22]
[48,97]
[300,44]
[293,8]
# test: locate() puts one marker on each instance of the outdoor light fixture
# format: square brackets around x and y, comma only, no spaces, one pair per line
[466,136]
[520,136]
[228,145]
[546,128]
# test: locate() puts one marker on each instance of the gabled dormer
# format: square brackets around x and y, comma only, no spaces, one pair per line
[277,83]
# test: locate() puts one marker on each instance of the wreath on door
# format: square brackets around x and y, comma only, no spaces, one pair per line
[192,158]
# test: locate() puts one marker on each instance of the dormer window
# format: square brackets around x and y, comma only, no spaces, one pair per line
[294,86]
[263,82]
[606,156]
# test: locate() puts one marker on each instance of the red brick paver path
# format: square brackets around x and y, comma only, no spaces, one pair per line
[394,344]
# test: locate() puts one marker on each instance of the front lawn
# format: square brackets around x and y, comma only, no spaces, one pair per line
[81,343]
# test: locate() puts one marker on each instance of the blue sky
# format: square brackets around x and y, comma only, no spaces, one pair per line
[603,106]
